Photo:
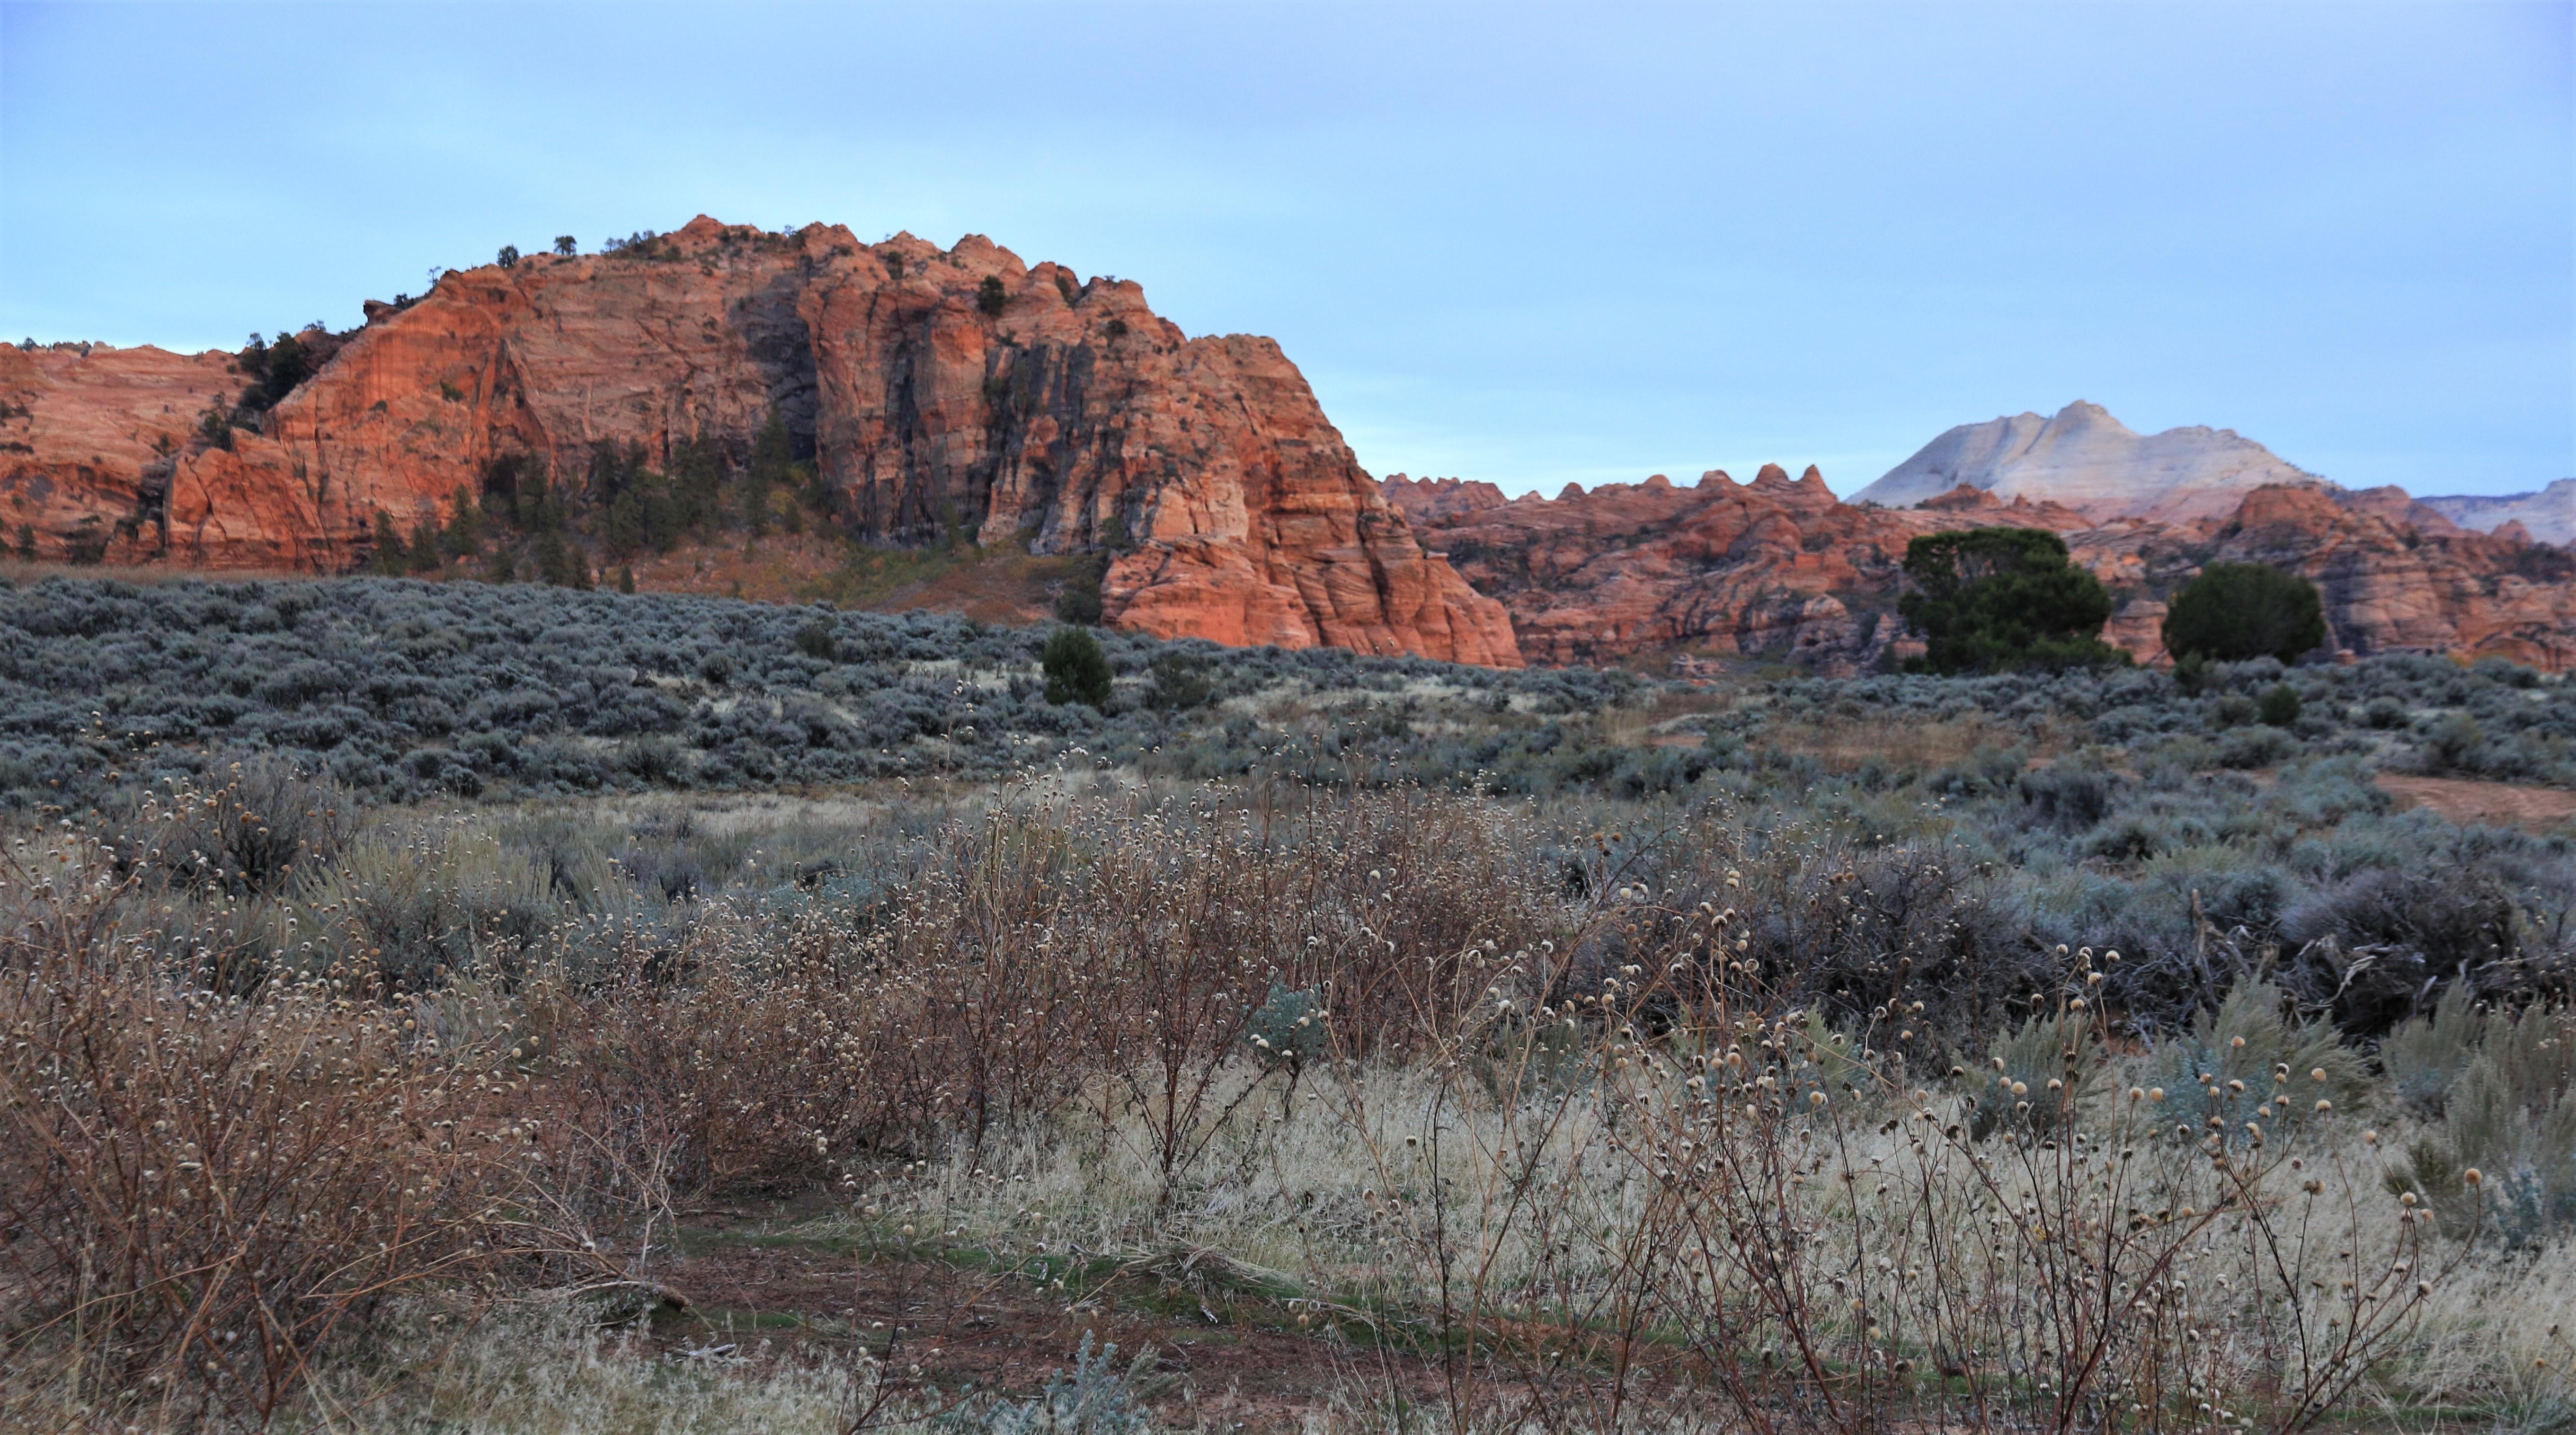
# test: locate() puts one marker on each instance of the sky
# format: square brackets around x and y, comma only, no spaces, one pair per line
[1528,244]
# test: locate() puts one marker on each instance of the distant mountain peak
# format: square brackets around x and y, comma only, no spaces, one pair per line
[2085,458]
[2548,514]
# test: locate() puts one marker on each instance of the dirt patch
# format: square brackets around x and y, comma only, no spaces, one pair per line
[2495,804]
[1226,1352]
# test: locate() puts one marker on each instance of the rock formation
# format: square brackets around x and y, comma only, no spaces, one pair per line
[1779,570]
[2399,507]
[1776,567]
[2548,515]
[939,393]
[2392,588]
[1424,499]
[2087,460]
[91,437]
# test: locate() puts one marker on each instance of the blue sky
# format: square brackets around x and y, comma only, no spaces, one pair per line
[1528,244]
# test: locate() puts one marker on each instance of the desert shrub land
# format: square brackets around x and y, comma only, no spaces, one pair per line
[503,1008]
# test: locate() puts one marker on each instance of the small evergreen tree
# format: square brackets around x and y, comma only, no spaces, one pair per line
[464,535]
[564,245]
[1998,599]
[773,464]
[991,297]
[2281,706]
[390,557]
[557,563]
[425,557]
[509,256]
[26,543]
[1077,671]
[626,579]
[697,489]
[2236,611]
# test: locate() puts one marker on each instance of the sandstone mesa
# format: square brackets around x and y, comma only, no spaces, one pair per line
[1073,420]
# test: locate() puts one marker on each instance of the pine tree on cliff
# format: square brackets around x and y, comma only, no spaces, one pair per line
[697,484]
[773,464]
[390,559]
[558,563]
[425,557]
[464,536]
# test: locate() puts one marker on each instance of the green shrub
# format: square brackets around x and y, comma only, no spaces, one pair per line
[1999,599]
[1077,671]
[990,296]
[2281,706]
[2236,611]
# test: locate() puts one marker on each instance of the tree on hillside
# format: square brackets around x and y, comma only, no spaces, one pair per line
[1077,671]
[773,465]
[2236,611]
[1997,599]
[425,558]
[391,558]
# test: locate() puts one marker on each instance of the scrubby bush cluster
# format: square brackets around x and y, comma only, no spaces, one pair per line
[1605,1114]
[406,691]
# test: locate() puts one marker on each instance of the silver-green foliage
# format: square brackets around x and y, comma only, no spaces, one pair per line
[2510,1115]
[2248,1062]
[1094,1398]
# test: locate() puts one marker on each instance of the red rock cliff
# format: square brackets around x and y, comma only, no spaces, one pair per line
[1065,415]
[1780,569]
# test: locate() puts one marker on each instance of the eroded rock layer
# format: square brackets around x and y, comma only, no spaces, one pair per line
[939,392]
[1780,569]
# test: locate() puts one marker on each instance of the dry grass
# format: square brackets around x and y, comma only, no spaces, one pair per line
[1519,1146]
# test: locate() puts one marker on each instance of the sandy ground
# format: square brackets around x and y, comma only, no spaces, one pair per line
[1224,1353]
[2496,804]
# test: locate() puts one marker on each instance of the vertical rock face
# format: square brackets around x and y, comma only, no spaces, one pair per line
[91,437]
[940,393]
